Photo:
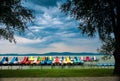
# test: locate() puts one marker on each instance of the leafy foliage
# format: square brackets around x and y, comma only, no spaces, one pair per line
[95,14]
[13,18]
[108,46]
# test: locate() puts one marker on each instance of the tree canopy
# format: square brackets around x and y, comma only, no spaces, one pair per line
[95,16]
[13,18]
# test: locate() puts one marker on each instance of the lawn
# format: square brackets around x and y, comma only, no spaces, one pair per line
[100,72]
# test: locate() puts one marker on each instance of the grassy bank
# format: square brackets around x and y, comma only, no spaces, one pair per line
[57,73]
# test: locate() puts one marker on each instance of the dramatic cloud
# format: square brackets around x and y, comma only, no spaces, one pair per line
[51,31]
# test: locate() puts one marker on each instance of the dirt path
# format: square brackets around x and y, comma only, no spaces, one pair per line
[63,79]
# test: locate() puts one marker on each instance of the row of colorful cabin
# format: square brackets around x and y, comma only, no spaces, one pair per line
[48,60]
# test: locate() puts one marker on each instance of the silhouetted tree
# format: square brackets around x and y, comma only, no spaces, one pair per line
[13,18]
[100,17]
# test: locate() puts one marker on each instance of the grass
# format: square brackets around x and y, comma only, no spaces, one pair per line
[103,72]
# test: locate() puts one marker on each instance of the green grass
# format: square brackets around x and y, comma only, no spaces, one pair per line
[57,73]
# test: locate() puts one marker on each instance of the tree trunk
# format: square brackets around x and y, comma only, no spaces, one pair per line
[116,30]
[117,62]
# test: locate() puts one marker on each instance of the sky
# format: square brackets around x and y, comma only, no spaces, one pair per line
[51,31]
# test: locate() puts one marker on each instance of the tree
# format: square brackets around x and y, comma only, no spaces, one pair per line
[13,18]
[100,17]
